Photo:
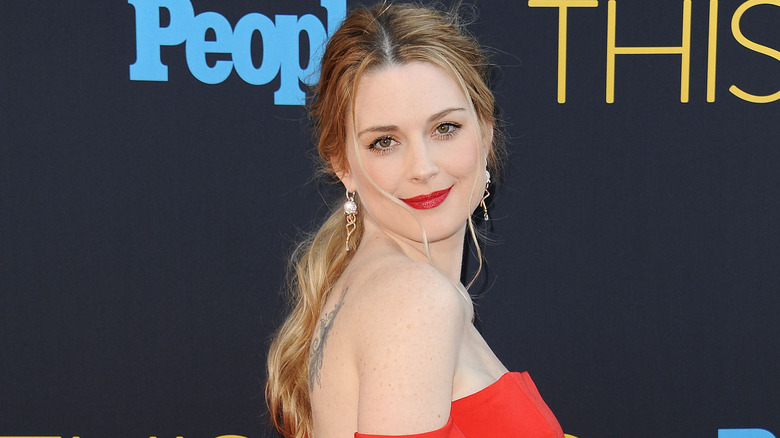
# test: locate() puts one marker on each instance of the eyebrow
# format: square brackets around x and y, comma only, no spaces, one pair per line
[390,128]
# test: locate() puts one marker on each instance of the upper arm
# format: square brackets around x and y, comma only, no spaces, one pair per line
[412,325]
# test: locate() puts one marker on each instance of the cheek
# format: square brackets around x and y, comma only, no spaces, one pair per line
[465,161]
[384,172]
[371,169]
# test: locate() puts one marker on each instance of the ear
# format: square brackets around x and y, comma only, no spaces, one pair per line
[488,135]
[345,176]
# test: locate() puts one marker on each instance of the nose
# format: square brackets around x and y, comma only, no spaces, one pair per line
[421,162]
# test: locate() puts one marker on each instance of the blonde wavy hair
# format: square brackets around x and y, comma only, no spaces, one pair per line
[368,40]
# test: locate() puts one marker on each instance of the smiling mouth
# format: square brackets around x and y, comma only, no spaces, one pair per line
[431,200]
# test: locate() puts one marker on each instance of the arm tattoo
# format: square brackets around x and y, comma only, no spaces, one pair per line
[318,344]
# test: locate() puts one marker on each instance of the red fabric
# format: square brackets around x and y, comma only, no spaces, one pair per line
[450,430]
[510,407]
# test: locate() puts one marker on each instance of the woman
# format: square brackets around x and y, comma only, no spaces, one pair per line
[380,340]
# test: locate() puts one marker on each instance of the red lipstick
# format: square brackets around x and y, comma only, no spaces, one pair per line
[431,200]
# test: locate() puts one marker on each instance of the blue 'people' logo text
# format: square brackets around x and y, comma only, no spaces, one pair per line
[281,51]
[744,433]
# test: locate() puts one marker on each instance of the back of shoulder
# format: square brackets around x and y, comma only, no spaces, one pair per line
[397,288]
[407,322]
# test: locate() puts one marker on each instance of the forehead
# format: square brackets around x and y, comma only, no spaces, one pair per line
[405,93]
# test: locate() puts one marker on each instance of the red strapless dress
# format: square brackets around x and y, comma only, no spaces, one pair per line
[509,408]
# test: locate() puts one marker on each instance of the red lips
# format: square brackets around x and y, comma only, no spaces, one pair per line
[431,200]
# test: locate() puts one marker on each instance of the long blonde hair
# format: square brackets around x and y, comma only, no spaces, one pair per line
[369,39]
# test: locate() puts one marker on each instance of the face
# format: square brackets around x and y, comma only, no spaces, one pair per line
[418,141]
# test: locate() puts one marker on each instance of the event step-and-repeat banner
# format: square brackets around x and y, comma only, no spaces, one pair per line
[156,169]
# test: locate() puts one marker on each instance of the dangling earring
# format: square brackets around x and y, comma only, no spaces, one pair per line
[350,210]
[487,193]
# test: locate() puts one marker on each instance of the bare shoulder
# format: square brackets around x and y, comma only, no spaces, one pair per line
[394,288]
[407,323]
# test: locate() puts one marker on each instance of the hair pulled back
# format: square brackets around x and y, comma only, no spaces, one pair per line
[368,40]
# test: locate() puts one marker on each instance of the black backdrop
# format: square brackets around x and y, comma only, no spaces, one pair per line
[144,224]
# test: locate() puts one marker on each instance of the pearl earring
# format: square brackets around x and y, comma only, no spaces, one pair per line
[350,210]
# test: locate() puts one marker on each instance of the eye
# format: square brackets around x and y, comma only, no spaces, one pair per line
[382,144]
[446,129]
